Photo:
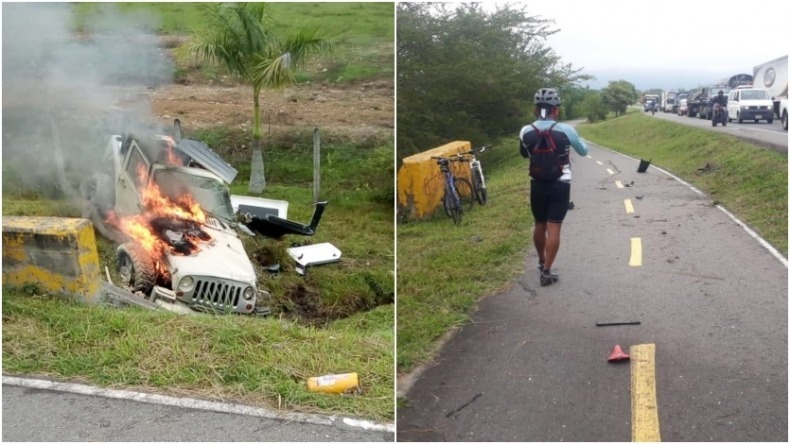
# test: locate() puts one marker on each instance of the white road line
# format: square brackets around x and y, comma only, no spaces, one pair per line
[599,162]
[746,130]
[608,170]
[618,183]
[197,404]
[774,252]
[756,236]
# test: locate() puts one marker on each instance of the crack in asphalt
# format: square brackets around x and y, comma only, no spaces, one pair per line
[463,406]
[523,282]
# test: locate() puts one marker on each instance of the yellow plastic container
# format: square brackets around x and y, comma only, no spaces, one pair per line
[342,383]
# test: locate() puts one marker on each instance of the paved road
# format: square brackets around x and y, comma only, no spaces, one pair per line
[768,134]
[32,414]
[533,365]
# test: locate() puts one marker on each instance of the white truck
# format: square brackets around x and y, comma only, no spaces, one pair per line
[772,77]
[668,101]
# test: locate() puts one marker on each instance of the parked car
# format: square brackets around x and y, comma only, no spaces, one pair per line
[683,107]
[749,103]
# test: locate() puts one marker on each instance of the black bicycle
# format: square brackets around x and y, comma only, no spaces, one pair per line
[478,180]
[457,196]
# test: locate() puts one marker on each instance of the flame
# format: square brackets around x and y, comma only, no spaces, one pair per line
[155,205]
[172,159]
[159,205]
[138,229]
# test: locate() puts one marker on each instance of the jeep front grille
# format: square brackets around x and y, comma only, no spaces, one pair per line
[217,295]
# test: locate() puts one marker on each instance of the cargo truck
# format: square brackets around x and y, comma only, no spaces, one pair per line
[669,102]
[772,77]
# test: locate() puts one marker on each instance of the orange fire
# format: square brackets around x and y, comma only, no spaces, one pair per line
[172,159]
[155,204]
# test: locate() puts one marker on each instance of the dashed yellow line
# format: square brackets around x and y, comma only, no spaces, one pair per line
[618,183]
[608,170]
[636,252]
[644,408]
[629,207]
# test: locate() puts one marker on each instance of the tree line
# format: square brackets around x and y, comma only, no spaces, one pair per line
[468,73]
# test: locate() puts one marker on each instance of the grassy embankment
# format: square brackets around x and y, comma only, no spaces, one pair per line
[338,318]
[444,270]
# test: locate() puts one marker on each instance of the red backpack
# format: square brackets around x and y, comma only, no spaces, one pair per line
[544,165]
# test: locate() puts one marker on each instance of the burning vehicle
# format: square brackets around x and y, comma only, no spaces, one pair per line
[166,201]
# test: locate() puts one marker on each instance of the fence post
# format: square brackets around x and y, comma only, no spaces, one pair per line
[316,165]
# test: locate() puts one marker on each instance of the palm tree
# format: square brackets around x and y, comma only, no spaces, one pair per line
[242,37]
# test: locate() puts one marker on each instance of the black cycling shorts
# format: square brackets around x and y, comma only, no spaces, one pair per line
[549,200]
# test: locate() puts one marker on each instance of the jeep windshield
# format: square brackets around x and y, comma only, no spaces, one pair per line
[211,194]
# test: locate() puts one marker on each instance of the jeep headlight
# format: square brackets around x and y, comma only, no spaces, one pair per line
[186,283]
[249,293]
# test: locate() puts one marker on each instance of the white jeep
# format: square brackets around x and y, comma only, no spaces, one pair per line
[165,200]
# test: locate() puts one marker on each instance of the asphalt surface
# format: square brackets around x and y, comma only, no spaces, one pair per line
[532,366]
[769,135]
[32,414]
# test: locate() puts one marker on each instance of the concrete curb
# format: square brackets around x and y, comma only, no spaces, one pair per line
[198,404]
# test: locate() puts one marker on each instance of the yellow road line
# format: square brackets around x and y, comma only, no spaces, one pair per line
[609,171]
[599,162]
[636,252]
[629,207]
[644,408]
[618,183]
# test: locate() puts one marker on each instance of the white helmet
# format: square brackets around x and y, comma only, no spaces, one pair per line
[547,96]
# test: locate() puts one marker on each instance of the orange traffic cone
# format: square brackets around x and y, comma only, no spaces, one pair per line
[618,355]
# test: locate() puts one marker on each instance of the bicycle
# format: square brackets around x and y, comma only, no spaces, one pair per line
[478,180]
[456,189]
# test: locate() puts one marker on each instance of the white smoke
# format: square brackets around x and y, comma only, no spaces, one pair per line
[73,88]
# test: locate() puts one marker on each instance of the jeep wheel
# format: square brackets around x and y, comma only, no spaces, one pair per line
[136,268]
[784,120]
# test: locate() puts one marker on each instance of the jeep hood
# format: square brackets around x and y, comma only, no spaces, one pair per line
[224,257]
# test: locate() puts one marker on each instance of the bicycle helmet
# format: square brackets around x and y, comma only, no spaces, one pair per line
[547,96]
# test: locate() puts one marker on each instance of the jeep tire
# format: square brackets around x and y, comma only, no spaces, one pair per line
[136,268]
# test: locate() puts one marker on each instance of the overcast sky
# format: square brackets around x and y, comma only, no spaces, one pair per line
[668,43]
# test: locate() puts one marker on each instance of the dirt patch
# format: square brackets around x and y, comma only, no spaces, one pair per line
[359,111]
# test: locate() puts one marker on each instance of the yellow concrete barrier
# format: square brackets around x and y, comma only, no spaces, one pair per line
[421,184]
[59,254]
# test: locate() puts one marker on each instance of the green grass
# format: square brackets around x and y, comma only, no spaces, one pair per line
[443,270]
[365,52]
[368,20]
[262,362]
[337,318]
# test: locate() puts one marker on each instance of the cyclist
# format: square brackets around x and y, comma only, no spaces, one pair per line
[549,199]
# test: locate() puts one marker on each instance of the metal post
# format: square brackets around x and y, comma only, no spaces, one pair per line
[316,165]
